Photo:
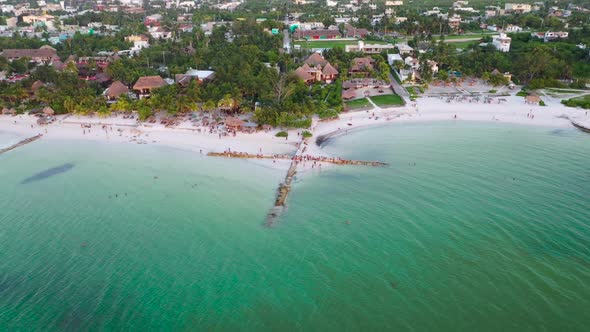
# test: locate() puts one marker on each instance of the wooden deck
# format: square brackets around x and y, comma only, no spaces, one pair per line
[21,143]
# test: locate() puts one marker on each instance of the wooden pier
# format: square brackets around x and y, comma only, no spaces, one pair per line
[21,143]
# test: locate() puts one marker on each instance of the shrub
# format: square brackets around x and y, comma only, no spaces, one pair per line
[583,102]
[542,103]
[282,134]
[327,114]
[306,134]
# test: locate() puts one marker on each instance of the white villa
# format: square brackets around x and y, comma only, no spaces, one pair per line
[502,42]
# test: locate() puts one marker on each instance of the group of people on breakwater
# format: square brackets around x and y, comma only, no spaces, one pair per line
[334,160]
[296,158]
[236,154]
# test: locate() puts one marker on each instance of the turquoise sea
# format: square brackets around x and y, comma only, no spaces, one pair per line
[471,227]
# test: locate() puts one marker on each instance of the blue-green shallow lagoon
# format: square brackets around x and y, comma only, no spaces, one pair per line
[472,226]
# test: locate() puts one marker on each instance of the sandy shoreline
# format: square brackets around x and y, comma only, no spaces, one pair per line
[116,129]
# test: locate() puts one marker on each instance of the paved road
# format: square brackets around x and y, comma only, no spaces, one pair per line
[286,41]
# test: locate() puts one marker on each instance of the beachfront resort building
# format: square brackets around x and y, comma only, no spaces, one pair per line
[362,66]
[139,42]
[353,32]
[518,8]
[116,90]
[194,74]
[510,28]
[368,48]
[404,49]
[550,35]
[502,42]
[455,22]
[316,69]
[317,34]
[145,85]
[43,55]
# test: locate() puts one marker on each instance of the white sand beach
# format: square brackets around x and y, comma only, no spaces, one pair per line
[513,110]
[117,129]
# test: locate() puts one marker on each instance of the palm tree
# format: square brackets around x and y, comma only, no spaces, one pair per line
[70,105]
[226,103]
[123,104]
[208,106]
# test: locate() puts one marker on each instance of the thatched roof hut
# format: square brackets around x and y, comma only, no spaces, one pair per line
[348,94]
[36,85]
[532,99]
[8,111]
[116,89]
[48,111]
[148,83]
[233,123]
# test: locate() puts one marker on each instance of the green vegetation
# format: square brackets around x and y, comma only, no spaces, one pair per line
[563,90]
[388,100]
[331,43]
[463,44]
[542,103]
[282,134]
[583,102]
[531,61]
[328,114]
[251,73]
[522,93]
[358,103]
[306,134]
[325,44]
[412,91]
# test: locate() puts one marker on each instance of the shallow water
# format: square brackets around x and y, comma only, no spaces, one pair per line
[7,139]
[472,226]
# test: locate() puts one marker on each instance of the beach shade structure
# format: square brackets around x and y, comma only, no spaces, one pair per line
[233,123]
[348,94]
[48,111]
[115,90]
[532,99]
[8,111]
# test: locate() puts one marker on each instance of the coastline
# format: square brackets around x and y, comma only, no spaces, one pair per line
[116,129]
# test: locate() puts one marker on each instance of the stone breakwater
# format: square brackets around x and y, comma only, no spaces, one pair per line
[285,187]
[303,158]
